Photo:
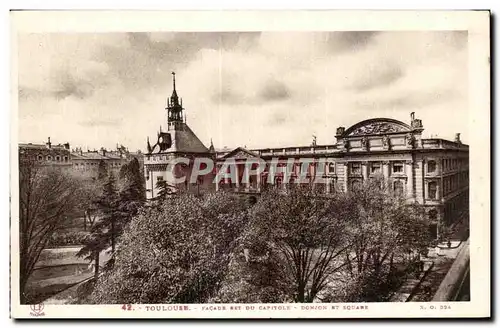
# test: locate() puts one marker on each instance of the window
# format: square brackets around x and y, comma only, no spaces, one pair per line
[49,158]
[331,168]
[432,190]
[398,188]
[375,168]
[355,168]
[58,158]
[277,182]
[40,157]
[65,158]
[397,167]
[159,178]
[431,166]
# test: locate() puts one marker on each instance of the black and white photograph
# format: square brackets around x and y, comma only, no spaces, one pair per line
[266,172]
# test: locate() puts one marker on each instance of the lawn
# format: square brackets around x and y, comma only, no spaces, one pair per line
[57,270]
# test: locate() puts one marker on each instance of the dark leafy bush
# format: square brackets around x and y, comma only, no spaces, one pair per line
[67,238]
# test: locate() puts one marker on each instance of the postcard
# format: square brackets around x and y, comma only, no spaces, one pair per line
[250,164]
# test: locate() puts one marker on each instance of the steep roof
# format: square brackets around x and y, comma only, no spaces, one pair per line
[183,141]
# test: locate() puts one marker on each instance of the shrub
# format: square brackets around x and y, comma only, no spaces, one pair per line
[67,238]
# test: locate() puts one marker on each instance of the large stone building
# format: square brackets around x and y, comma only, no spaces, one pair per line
[432,172]
[78,162]
[47,154]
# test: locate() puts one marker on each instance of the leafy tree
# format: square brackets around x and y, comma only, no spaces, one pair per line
[293,245]
[383,228]
[46,198]
[102,171]
[90,192]
[133,192]
[165,190]
[176,251]
[104,233]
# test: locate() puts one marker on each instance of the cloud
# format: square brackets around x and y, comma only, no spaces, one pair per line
[378,76]
[274,90]
[350,40]
[238,88]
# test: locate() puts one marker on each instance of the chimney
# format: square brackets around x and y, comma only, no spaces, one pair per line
[49,144]
[412,116]
[103,151]
[457,138]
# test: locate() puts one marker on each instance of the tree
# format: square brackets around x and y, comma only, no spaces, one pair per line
[102,171]
[133,191]
[384,228]
[104,233]
[176,251]
[90,192]
[293,245]
[46,198]
[164,190]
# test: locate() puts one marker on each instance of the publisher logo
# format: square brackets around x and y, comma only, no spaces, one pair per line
[36,310]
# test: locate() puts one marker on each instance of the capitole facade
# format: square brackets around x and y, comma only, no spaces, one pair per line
[430,171]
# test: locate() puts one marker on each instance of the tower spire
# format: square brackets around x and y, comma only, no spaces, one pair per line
[173,77]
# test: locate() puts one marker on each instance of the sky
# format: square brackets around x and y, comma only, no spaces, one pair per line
[257,90]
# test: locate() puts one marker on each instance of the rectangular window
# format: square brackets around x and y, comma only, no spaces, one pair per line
[159,178]
[375,168]
[355,168]
[397,167]
[331,168]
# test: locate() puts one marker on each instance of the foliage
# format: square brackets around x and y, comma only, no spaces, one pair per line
[66,238]
[47,197]
[102,171]
[133,193]
[384,228]
[103,233]
[164,190]
[174,252]
[294,242]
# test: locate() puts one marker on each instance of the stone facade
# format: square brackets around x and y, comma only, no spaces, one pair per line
[431,172]
[78,162]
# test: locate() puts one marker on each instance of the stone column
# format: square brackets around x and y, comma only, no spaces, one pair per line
[346,176]
[217,168]
[237,176]
[364,171]
[386,170]
[409,183]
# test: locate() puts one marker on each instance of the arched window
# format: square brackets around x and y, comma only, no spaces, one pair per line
[40,157]
[431,166]
[398,187]
[49,158]
[432,190]
[65,158]
[58,158]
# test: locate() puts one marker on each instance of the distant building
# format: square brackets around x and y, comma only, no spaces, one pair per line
[432,172]
[78,162]
[47,154]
